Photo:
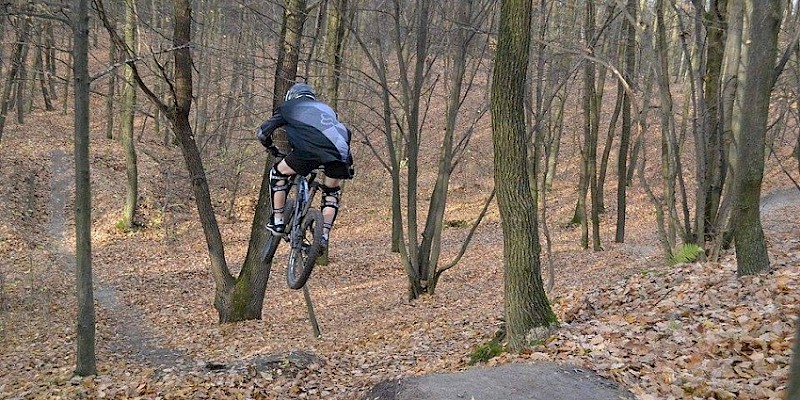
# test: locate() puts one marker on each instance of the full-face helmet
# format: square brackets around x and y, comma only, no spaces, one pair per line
[300,90]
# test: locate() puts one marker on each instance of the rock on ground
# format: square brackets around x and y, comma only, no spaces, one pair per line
[534,381]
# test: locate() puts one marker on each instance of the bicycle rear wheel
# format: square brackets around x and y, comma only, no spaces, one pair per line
[304,253]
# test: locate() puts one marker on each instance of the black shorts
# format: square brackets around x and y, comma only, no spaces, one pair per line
[303,166]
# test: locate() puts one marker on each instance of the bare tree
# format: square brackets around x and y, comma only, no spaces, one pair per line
[234,296]
[526,306]
[17,60]
[127,116]
[755,87]
[403,131]
[627,122]
[85,335]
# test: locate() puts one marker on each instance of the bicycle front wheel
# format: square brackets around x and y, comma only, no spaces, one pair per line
[304,252]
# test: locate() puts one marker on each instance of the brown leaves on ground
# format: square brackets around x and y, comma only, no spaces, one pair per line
[694,331]
[689,331]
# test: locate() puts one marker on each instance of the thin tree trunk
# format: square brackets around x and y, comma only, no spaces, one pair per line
[793,386]
[41,78]
[16,62]
[625,135]
[412,93]
[85,335]
[126,117]
[715,170]
[431,237]
[20,82]
[50,59]
[110,92]
[554,142]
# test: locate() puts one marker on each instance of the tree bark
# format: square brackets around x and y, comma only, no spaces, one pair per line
[715,170]
[758,55]
[110,93]
[85,335]
[627,123]
[526,305]
[126,117]
[793,386]
[23,32]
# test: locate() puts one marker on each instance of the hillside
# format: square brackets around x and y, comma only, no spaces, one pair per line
[688,331]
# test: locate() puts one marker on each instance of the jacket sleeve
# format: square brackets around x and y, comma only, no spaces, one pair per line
[264,133]
[349,160]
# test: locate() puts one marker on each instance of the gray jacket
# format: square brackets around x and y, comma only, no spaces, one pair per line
[313,130]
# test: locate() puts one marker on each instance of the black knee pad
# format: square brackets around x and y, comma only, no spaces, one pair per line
[335,192]
[327,192]
[278,182]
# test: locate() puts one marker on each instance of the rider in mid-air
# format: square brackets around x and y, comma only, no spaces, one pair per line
[317,138]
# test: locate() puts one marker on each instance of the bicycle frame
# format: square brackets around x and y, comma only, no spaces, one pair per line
[306,189]
[305,230]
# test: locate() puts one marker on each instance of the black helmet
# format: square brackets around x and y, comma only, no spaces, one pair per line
[300,90]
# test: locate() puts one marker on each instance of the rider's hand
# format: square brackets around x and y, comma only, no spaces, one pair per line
[265,140]
[274,150]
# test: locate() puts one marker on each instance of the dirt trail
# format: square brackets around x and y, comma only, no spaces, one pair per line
[131,338]
[779,199]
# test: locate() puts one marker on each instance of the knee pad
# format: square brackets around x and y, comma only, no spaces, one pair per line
[278,182]
[330,199]
[331,196]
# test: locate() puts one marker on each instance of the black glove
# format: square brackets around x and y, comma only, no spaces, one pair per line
[266,140]
[274,150]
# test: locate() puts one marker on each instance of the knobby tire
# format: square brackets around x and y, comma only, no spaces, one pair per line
[299,268]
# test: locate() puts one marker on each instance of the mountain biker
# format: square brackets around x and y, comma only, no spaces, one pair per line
[317,138]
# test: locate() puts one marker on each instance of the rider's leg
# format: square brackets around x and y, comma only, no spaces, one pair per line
[279,177]
[331,195]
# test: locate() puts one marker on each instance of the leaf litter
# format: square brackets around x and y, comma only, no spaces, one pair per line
[663,332]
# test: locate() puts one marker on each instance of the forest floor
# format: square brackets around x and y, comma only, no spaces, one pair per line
[659,331]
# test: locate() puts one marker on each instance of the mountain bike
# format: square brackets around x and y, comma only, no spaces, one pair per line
[304,233]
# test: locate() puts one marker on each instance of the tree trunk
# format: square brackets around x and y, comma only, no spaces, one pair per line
[50,59]
[288,58]
[715,170]
[669,148]
[23,32]
[430,247]
[334,48]
[248,296]
[526,305]
[612,127]
[793,386]
[179,116]
[110,93]
[85,335]
[625,135]
[20,82]
[755,84]
[412,92]
[40,77]
[126,117]
[553,145]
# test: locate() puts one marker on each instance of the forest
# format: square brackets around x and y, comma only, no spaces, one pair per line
[611,184]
